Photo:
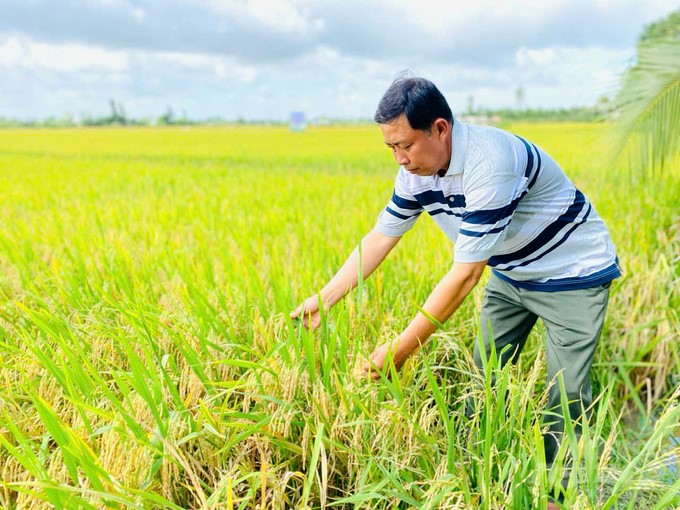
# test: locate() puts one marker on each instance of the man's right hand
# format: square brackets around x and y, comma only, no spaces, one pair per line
[308,312]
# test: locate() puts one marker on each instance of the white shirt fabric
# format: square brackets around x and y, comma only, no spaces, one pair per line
[505,200]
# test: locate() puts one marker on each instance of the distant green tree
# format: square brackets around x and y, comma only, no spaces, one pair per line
[519,97]
[470,105]
[117,114]
[647,108]
[167,119]
[666,29]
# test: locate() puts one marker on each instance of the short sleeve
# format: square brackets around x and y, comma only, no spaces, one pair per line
[401,211]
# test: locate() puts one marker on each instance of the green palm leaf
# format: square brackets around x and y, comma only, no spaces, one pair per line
[647,133]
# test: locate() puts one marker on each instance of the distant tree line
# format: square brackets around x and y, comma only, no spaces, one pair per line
[573,114]
[118,117]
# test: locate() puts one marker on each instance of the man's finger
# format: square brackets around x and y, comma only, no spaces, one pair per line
[296,313]
[371,370]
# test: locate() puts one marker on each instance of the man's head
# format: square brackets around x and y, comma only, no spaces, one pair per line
[417,98]
[416,122]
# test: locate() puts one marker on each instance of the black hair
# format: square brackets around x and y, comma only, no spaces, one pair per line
[418,98]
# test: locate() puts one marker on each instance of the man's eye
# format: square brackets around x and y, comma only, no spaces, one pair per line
[408,147]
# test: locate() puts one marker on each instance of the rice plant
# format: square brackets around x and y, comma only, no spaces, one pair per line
[148,360]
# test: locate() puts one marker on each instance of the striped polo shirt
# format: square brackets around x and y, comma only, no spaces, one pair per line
[503,199]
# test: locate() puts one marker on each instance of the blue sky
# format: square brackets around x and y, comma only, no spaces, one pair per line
[262,59]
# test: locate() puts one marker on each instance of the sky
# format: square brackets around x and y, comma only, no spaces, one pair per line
[263,59]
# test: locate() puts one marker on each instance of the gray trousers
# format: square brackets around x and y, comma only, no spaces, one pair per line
[573,321]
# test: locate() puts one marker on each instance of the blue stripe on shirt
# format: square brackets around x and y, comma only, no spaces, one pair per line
[530,161]
[472,233]
[430,197]
[456,200]
[556,245]
[530,157]
[547,234]
[404,203]
[538,167]
[596,279]
[493,216]
[445,211]
[399,215]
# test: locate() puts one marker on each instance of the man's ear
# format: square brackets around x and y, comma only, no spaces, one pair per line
[441,126]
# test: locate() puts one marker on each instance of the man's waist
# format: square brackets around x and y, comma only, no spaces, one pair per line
[548,284]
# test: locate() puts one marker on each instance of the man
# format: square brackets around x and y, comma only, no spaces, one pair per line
[505,204]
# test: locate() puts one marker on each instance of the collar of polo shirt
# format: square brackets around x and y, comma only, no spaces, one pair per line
[459,134]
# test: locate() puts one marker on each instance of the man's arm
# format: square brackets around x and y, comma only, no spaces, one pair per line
[440,305]
[374,248]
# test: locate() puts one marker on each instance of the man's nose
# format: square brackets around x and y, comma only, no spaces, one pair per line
[401,157]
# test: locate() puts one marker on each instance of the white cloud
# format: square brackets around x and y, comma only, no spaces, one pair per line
[12,52]
[138,14]
[277,15]
[227,70]
[527,57]
[109,3]
[17,51]
[262,58]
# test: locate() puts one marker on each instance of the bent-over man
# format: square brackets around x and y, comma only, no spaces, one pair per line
[506,204]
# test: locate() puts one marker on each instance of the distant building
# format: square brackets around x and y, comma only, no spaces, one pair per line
[298,122]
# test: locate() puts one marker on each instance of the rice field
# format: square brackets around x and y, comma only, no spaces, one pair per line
[147,360]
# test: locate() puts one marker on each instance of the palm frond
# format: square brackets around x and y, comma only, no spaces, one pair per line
[647,114]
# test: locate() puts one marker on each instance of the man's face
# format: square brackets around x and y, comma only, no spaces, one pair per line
[419,152]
